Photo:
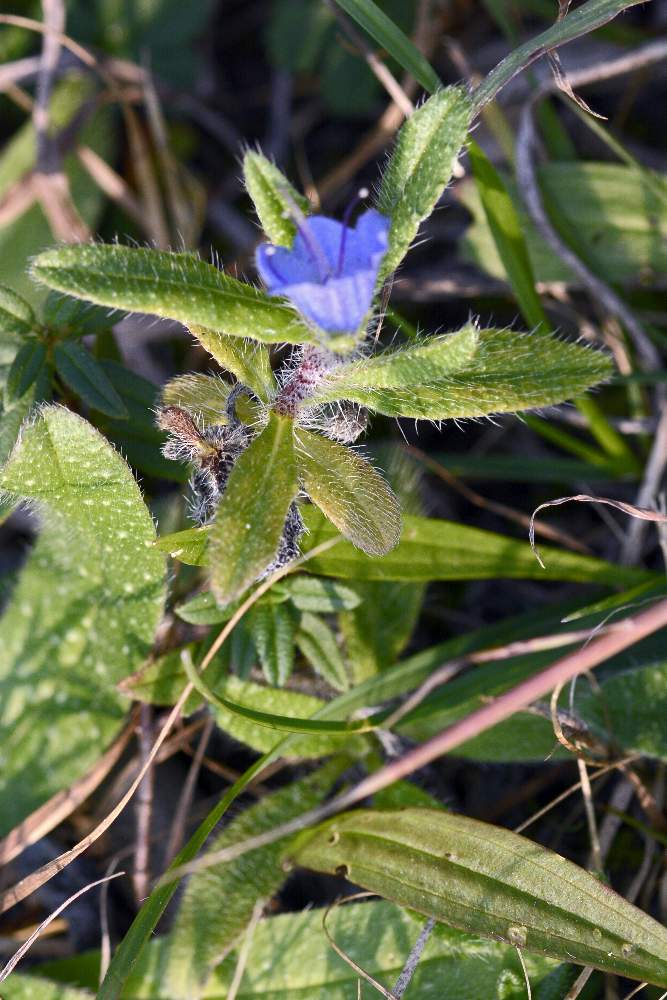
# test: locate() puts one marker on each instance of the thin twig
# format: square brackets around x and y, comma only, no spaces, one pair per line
[185,799]
[413,958]
[244,950]
[654,474]
[579,983]
[144,806]
[596,854]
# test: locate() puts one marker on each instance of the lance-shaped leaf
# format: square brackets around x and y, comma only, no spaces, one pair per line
[248,361]
[350,492]
[83,612]
[177,286]
[380,380]
[318,644]
[508,372]
[25,369]
[491,882]
[272,627]
[249,524]
[421,166]
[16,317]
[274,198]
[85,376]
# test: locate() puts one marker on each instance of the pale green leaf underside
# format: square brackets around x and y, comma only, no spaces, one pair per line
[318,644]
[349,491]
[421,166]
[274,198]
[16,317]
[290,957]
[250,519]
[272,628]
[248,361]
[489,881]
[83,612]
[176,286]
[508,372]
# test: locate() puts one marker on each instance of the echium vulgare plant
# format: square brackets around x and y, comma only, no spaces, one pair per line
[261,445]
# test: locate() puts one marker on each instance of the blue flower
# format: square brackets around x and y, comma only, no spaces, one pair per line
[331,271]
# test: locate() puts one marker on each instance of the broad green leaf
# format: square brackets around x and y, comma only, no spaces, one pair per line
[17,319]
[188,546]
[318,644]
[585,18]
[527,469]
[204,396]
[272,627]
[311,593]
[161,681]
[434,549]
[631,709]
[203,931]
[612,215]
[367,14]
[491,882]
[290,957]
[349,491]
[84,375]
[25,368]
[421,166]
[251,516]
[509,371]
[401,372]
[177,286]
[377,631]
[274,198]
[202,609]
[83,612]
[248,361]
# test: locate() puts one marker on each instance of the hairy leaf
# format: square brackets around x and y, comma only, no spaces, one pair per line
[311,593]
[251,516]
[203,396]
[274,198]
[509,371]
[421,166]
[489,881]
[177,286]
[354,497]
[318,644]
[17,319]
[25,369]
[83,612]
[204,930]
[272,628]
[248,361]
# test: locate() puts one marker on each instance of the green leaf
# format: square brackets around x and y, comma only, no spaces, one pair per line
[312,593]
[318,644]
[631,709]
[248,361]
[390,37]
[188,546]
[203,931]
[434,549]
[505,226]
[349,491]
[204,610]
[177,286]
[25,369]
[272,628]
[420,167]
[491,882]
[251,515]
[609,213]
[381,379]
[279,711]
[16,316]
[378,630]
[85,376]
[510,371]
[584,19]
[83,612]
[204,396]
[273,197]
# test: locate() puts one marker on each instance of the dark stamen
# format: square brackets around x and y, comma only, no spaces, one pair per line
[360,195]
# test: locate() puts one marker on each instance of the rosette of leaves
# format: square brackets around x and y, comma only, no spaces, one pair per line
[263,443]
